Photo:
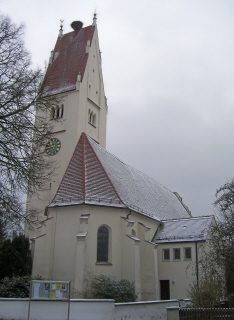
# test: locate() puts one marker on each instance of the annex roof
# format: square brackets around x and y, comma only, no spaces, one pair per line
[69,59]
[184,230]
[95,176]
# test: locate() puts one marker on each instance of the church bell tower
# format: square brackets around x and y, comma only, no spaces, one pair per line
[74,76]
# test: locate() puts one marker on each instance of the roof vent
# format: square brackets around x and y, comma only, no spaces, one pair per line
[76,25]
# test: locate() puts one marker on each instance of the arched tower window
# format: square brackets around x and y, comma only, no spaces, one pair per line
[57,112]
[102,244]
[92,118]
[52,115]
[61,110]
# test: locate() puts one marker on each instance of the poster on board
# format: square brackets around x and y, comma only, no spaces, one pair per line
[54,290]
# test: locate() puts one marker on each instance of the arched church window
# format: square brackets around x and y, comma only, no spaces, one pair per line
[102,244]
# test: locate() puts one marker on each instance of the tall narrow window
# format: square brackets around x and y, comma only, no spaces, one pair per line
[61,110]
[166,254]
[176,254]
[52,116]
[57,112]
[188,253]
[92,118]
[102,244]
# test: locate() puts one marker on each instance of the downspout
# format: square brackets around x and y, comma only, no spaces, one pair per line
[130,211]
[197,273]
[197,264]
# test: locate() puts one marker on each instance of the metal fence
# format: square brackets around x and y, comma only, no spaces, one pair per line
[207,314]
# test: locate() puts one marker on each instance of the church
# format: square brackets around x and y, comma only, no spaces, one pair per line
[98,214]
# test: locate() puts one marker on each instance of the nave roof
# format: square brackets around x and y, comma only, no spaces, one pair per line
[95,176]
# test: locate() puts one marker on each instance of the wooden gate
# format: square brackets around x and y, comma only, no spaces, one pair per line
[207,314]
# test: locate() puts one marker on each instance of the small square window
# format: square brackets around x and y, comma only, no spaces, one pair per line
[188,253]
[166,254]
[176,253]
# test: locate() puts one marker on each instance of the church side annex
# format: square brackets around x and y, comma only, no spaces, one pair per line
[100,215]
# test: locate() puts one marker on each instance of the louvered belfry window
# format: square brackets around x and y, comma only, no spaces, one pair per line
[102,244]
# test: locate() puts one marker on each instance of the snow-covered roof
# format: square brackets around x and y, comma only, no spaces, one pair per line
[184,230]
[69,59]
[95,176]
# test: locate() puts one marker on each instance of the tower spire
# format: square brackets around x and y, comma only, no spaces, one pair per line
[61,29]
[94,19]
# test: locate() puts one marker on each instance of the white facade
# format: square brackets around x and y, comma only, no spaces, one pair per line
[92,189]
[83,108]
[85,309]
[68,251]
[74,248]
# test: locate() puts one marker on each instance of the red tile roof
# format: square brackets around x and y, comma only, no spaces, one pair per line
[95,176]
[69,60]
[85,180]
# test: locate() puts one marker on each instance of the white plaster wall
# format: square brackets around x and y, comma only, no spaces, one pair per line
[152,310]
[148,279]
[17,309]
[92,95]
[180,273]
[14,309]
[43,250]
[59,251]
[92,309]
[75,121]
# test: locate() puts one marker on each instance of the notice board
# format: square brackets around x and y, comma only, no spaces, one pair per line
[51,290]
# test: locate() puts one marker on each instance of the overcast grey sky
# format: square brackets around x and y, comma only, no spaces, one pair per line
[169,77]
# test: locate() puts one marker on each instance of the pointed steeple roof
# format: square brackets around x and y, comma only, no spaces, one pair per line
[68,59]
[94,176]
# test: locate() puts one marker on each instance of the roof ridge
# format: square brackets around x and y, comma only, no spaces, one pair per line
[189,218]
[77,30]
[63,178]
[87,136]
[86,180]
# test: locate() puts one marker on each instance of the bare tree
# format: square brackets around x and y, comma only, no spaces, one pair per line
[209,287]
[223,235]
[23,167]
[216,277]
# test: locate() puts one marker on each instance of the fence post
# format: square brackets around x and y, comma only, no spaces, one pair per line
[173,313]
